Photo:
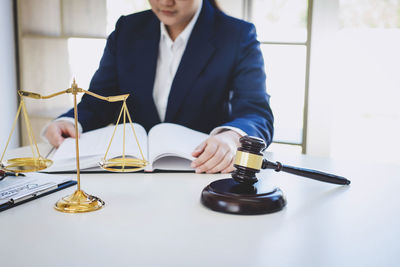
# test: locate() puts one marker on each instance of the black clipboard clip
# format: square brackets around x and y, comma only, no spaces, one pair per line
[13,202]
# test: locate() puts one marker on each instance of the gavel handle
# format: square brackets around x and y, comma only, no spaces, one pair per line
[313,174]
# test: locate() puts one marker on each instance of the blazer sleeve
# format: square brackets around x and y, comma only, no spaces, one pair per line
[250,109]
[92,112]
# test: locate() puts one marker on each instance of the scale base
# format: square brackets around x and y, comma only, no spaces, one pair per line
[79,202]
[229,196]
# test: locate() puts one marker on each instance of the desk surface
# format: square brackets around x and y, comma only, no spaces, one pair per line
[147,222]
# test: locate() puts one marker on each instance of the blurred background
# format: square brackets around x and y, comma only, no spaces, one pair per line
[333,67]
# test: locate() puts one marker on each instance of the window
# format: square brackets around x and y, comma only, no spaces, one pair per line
[283,30]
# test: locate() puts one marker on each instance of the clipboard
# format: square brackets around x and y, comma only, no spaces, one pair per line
[20,190]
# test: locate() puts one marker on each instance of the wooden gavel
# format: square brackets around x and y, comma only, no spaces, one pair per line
[243,195]
[249,161]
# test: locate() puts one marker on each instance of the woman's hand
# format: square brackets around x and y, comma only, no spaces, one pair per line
[216,153]
[57,131]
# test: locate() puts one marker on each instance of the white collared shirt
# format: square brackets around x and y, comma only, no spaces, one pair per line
[169,56]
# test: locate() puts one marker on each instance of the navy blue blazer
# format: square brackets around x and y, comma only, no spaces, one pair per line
[220,80]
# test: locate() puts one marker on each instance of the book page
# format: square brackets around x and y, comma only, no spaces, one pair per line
[171,146]
[172,163]
[93,146]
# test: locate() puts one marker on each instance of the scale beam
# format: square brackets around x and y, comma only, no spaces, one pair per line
[78,201]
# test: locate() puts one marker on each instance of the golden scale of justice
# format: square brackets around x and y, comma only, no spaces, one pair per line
[79,201]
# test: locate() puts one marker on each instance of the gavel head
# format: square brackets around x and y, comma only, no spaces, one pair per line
[249,159]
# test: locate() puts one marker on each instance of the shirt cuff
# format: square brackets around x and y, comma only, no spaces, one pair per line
[220,129]
[67,119]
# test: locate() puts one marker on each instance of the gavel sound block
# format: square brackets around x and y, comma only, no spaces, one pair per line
[244,194]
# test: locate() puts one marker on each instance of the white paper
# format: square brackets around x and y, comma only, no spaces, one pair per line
[171,146]
[168,147]
[15,187]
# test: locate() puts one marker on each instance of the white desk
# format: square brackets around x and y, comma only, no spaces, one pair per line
[146,222]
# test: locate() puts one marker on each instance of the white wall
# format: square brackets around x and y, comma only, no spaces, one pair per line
[354,92]
[8,85]
[321,87]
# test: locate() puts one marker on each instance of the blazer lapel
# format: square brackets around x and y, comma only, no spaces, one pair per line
[146,60]
[199,50]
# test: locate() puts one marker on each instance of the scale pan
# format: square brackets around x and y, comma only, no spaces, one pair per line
[19,165]
[123,164]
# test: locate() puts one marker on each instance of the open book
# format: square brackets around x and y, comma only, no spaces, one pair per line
[167,146]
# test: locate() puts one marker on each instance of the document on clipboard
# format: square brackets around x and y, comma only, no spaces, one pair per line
[15,190]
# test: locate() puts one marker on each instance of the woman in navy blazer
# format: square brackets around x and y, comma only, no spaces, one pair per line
[220,81]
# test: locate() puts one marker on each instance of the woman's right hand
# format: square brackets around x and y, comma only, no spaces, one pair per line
[57,131]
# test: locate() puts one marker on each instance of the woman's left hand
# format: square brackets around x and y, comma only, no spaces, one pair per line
[216,153]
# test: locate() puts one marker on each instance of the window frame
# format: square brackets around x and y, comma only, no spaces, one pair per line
[247,7]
